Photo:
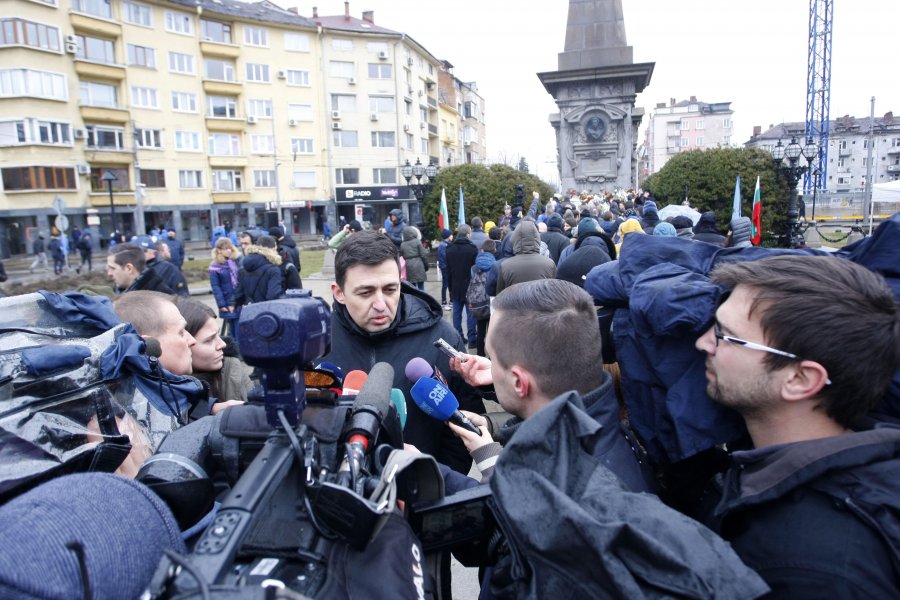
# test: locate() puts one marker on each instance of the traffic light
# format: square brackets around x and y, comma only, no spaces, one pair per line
[520,194]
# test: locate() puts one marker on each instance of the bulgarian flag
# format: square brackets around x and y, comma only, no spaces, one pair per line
[443,218]
[755,220]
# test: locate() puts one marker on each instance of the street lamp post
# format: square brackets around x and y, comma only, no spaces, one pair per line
[793,171]
[108,177]
[419,171]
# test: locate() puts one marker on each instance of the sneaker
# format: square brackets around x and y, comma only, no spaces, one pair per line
[448,307]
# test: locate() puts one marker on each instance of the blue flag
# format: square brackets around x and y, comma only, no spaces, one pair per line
[462,208]
[736,210]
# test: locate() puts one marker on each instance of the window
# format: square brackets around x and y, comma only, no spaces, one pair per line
[469,110]
[181,63]
[409,141]
[121,183]
[102,137]
[726,140]
[296,42]
[258,72]
[384,175]
[382,104]
[302,145]
[187,141]
[224,107]
[177,22]
[345,139]
[98,8]
[153,178]
[224,144]
[215,31]
[300,112]
[383,139]
[148,138]
[190,180]
[842,162]
[96,49]
[423,114]
[37,84]
[261,109]
[184,102]
[19,32]
[726,123]
[340,68]
[381,71]
[845,180]
[141,56]
[137,14]
[304,179]
[895,142]
[342,45]
[699,141]
[844,144]
[297,77]
[220,70]
[685,142]
[865,143]
[346,176]
[423,145]
[99,94]
[262,144]
[33,131]
[408,107]
[264,178]
[144,97]
[343,102]
[256,36]
[39,178]
[685,126]
[698,124]
[227,180]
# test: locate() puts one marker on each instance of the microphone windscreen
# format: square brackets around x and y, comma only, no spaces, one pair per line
[376,391]
[416,368]
[152,347]
[353,382]
[399,402]
[434,398]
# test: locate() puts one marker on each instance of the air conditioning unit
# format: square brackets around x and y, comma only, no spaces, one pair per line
[281,74]
[373,117]
[409,61]
[406,128]
[421,93]
[335,125]
[383,55]
[409,91]
[422,125]
[72,48]
[79,133]
[71,39]
[335,114]
[83,169]
[292,122]
[251,119]
[351,80]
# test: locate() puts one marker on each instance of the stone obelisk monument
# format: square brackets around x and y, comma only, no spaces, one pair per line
[595,89]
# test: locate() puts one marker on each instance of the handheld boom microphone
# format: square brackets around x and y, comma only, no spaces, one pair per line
[437,401]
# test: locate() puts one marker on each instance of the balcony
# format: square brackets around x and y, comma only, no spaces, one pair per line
[432,130]
[98,114]
[894,149]
[95,70]
[432,103]
[86,23]
[101,199]
[893,168]
[227,197]
[228,124]
[845,151]
[109,156]
[222,88]
[219,49]
[226,162]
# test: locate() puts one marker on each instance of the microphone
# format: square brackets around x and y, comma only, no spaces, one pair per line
[369,409]
[152,347]
[353,382]
[418,367]
[399,402]
[437,401]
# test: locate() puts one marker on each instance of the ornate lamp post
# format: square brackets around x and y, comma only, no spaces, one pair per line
[108,177]
[419,171]
[793,171]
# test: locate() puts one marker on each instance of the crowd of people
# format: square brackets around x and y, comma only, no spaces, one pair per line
[677,409]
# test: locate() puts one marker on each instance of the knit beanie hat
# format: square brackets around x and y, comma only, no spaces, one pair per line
[555,220]
[445,233]
[649,206]
[587,225]
[664,229]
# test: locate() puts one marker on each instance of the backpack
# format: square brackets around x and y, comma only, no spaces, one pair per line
[477,298]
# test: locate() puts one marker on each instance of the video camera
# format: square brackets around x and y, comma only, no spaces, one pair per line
[328,472]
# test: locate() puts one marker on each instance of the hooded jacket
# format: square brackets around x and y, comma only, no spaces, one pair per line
[590,237]
[170,274]
[288,247]
[527,264]
[555,239]
[818,515]
[629,226]
[418,323]
[395,230]
[414,254]
[461,255]
[260,276]
[649,217]
[706,230]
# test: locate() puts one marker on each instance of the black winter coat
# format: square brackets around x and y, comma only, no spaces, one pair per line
[460,258]
[149,280]
[418,323]
[288,247]
[259,278]
[171,275]
[556,242]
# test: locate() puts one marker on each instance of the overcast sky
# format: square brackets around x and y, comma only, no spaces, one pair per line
[752,53]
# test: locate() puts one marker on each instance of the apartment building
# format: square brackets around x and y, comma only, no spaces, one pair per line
[198,112]
[462,119]
[848,149]
[681,126]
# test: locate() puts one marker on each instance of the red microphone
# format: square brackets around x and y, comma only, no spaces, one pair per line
[354,382]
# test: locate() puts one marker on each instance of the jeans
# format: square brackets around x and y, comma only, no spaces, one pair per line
[444,285]
[38,258]
[482,327]
[457,321]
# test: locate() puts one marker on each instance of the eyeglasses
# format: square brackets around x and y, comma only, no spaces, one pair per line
[717,330]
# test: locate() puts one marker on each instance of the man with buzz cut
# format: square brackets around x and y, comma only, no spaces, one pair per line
[376,318]
[803,348]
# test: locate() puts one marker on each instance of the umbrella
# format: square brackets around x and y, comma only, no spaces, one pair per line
[677,210]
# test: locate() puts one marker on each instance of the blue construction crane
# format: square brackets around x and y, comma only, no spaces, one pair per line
[818,93]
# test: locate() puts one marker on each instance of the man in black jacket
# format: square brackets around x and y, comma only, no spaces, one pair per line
[461,255]
[169,273]
[127,268]
[814,505]
[376,319]
[287,247]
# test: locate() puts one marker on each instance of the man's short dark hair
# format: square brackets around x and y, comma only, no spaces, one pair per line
[562,318]
[829,310]
[364,248]
[477,223]
[489,246]
[141,309]
[129,253]
[496,233]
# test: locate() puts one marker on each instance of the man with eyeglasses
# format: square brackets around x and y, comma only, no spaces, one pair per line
[803,348]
